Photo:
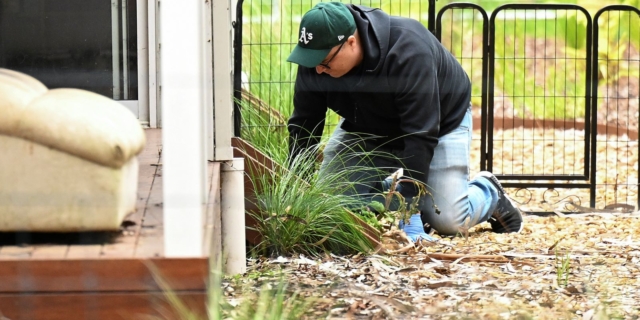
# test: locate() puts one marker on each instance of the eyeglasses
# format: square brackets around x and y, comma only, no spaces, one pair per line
[326,64]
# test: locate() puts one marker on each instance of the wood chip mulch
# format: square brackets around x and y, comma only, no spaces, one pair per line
[575,266]
[584,265]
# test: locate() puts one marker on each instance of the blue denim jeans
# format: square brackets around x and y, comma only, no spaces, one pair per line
[454,194]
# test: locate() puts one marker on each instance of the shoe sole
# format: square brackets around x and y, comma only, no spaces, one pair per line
[519,213]
[489,176]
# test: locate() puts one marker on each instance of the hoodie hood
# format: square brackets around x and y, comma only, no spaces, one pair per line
[373,27]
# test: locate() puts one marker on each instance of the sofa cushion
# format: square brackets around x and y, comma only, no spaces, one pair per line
[78,122]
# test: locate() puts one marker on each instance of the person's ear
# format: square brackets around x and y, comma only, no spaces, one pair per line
[351,40]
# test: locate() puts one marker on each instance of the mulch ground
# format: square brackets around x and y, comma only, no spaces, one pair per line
[579,266]
[583,265]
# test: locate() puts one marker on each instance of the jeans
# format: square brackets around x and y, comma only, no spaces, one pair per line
[457,197]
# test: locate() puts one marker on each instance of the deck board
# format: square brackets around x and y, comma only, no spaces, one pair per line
[106,275]
[86,251]
[149,236]
[150,240]
[16,252]
[112,306]
[53,251]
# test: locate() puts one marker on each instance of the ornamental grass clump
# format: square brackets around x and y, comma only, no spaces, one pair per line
[299,212]
[302,213]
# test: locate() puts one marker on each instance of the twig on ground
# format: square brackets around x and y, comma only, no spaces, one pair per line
[469,257]
[401,250]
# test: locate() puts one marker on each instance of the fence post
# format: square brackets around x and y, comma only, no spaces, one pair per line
[431,24]
[237,69]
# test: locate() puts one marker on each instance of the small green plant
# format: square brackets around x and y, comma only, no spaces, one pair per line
[563,268]
[370,216]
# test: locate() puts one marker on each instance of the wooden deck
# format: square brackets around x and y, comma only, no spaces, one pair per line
[108,275]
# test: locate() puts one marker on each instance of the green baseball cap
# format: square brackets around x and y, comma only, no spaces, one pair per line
[325,26]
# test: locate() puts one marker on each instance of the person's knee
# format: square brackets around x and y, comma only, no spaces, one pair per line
[446,221]
[449,229]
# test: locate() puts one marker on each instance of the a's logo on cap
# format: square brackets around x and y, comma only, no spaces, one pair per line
[304,36]
[340,38]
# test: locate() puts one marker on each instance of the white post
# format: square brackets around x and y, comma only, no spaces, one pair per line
[234,255]
[182,134]
[153,70]
[115,49]
[143,61]
[223,79]
[208,69]
[125,52]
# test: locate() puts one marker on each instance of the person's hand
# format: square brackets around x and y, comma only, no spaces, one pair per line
[415,229]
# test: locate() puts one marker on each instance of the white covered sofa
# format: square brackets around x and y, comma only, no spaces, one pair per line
[67,158]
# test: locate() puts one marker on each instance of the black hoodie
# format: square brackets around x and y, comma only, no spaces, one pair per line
[408,89]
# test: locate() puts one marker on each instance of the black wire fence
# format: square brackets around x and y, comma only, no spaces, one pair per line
[555,92]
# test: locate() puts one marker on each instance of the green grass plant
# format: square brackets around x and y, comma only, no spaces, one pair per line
[563,268]
[304,213]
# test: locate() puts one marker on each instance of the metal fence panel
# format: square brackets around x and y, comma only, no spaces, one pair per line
[463,28]
[539,106]
[616,103]
[554,94]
